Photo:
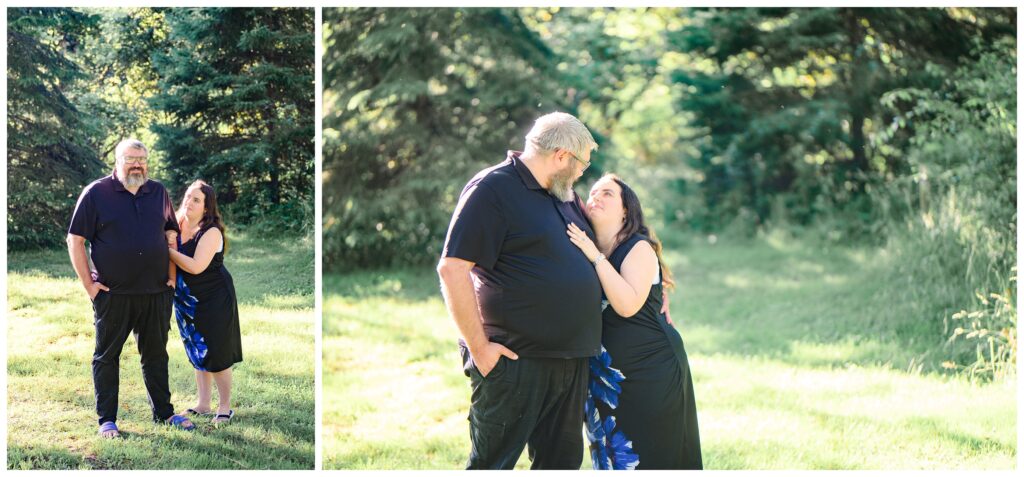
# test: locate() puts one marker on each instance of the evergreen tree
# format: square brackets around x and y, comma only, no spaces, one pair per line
[415,102]
[237,85]
[49,139]
[790,98]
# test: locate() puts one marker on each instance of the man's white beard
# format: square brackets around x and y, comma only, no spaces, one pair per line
[561,184]
[134,179]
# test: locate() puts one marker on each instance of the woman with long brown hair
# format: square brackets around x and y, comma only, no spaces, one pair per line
[640,412]
[205,303]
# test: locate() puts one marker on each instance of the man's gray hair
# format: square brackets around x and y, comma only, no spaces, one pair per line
[559,131]
[126,144]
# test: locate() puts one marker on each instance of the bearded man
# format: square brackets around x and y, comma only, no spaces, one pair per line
[127,220]
[526,301]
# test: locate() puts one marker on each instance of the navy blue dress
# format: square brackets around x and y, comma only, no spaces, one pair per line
[640,411]
[206,309]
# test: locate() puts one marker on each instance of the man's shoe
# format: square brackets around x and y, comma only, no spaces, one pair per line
[109,430]
[181,422]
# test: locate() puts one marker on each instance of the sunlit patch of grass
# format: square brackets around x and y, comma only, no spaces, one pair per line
[50,415]
[797,356]
[860,418]
[393,388]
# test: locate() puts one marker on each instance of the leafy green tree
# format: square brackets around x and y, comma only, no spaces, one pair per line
[237,86]
[617,65]
[964,136]
[415,102]
[122,79]
[954,213]
[789,98]
[49,138]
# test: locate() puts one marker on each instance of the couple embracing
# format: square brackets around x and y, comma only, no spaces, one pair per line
[146,259]
[560,307]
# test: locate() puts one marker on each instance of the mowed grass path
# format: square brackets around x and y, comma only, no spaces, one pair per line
[801,356]
[50,335]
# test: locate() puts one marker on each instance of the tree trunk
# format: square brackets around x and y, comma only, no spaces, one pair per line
[275,172]
[857,101]
[860,159]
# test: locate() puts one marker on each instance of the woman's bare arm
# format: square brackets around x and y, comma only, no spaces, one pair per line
[626,292]
[208,245]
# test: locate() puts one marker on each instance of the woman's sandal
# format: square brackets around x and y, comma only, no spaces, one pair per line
[108,427]
[180,422]
[223,418]
[193,412]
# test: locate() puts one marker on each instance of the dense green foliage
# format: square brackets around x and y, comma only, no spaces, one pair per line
[885,126]
[222,94]
[417,101]
[46,166]
[237,86]
[954,215]
[749,116]
[790,102]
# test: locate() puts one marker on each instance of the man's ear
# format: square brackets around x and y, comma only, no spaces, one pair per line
[562,154]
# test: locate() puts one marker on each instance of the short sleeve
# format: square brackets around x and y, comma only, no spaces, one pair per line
[83,220]
[478,227]
[170,220]
[578,208]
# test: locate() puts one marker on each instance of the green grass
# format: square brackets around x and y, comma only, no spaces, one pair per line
[803,358]
[51,417]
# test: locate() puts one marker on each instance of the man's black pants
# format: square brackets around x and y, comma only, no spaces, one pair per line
[148,317]
[529,401]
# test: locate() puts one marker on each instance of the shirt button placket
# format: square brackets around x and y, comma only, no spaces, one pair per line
[138,218]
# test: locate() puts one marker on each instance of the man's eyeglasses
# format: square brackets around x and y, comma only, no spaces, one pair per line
[586,164]
[134,160]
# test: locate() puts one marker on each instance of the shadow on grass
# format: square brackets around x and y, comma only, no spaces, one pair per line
[50,419]
[433,454]
[260,262]
[815,427]
[383,317]
[402,284]
[803,304]
[193,451]
[42,458]
[930,426]
[48,263]
[736,455]
[811,307]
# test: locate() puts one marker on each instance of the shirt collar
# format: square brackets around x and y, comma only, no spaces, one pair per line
[118,186]
[524,172]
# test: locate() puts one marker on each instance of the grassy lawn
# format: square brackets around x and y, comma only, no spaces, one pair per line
[51,417]
[803,358]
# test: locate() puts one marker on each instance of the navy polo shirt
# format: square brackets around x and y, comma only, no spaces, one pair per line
[126,234]
[538,294]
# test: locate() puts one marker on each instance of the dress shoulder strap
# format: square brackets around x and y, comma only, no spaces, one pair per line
[620,252]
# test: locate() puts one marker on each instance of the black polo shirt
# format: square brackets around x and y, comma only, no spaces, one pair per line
[126,234]
[538,293]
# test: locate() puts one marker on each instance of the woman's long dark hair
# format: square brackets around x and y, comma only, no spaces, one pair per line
[211,214]
[634,223]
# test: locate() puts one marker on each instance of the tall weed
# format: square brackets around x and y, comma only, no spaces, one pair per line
[953,217]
